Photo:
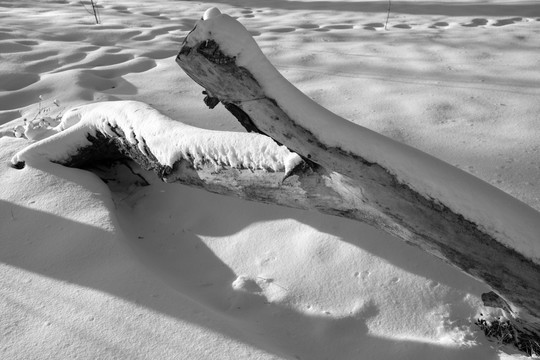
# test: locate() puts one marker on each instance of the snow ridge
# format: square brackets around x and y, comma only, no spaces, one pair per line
[168,140]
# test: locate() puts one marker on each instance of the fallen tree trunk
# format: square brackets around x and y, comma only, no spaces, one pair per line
[248,166]
[461,220]
[375,182]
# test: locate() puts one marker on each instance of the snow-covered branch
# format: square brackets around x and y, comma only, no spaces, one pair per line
[139,126]
[249,166]
[445,211]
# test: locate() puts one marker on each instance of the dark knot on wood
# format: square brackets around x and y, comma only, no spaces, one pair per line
[19,165]
[210,50]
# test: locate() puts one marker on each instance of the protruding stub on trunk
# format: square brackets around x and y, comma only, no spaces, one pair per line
[209,100]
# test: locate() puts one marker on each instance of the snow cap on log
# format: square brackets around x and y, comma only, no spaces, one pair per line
[156,134]
[210,13]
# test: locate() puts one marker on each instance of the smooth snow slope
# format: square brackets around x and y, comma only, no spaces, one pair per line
[170,272]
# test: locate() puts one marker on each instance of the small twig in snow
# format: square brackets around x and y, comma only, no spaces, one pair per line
[388,14]
[94,10]
[271,281]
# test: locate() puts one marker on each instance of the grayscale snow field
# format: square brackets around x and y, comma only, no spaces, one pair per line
[95,270]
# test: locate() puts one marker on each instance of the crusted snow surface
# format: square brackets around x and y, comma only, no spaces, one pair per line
[168,140]
[512,222]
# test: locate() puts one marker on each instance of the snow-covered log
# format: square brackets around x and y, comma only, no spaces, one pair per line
[246,165]
[447,212]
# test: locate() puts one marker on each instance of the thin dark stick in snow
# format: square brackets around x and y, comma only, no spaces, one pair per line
[388,15]
[94,10]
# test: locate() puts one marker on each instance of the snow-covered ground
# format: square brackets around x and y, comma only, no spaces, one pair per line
[164,271]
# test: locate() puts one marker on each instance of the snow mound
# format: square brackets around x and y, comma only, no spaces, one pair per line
[168,140]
